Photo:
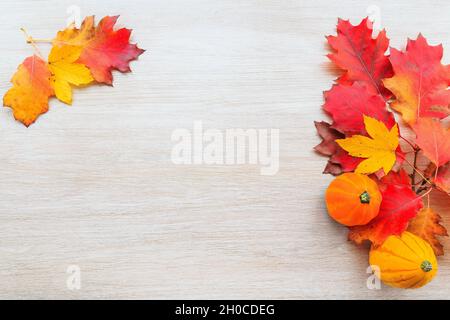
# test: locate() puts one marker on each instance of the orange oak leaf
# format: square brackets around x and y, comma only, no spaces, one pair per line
[360,55]
[420,81]
[339,161]
[28,98]
[399,205]
[348,104]
[427,226]
[104,49]
[433,139]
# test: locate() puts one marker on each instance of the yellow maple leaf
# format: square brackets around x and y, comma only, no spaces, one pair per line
[66,71]
[379,150]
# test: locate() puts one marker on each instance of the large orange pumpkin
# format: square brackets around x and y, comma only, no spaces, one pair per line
[353,199]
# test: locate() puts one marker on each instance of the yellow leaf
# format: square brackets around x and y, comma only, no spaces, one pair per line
[66,71]
[379,150]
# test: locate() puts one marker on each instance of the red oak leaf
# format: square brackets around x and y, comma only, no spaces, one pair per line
[399,205]
[339,161]
[433,139]
[420,81]
[104,49]
[348,104]
[360,55]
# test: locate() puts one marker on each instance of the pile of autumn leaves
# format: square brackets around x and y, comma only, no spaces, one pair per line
[364,136]
[78,57]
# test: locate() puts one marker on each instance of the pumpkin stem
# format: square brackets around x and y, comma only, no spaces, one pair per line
[426,266]
[364,197]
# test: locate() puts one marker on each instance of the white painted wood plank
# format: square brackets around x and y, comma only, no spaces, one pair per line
[93,184]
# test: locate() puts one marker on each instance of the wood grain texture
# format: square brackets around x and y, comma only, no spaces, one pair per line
[94,185]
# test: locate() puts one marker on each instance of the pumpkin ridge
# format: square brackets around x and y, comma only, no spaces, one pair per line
[348,180]
[392,270]
[425,280]
[413,251]
[401,283]
[416,283]
[343,204]
[381,249]
[342,191]
[420,246]
[407,279]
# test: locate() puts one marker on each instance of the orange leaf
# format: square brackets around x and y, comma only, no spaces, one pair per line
[104,49]
[28,98]
[427,226]
[433,139]
[420,81]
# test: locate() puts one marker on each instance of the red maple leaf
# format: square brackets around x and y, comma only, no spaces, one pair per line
[399,205]
[361,56]
[104,49]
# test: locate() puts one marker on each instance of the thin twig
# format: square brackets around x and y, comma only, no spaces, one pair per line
[409,142]
[413,178]
[416,170]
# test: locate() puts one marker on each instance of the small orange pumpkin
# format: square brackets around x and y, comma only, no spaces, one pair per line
[353,199]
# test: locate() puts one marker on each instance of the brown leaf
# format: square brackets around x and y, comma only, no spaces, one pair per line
[427,226]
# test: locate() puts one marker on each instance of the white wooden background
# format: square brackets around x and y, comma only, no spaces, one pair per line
[93,184]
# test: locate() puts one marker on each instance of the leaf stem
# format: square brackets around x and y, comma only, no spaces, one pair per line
[40,40]
[31,41]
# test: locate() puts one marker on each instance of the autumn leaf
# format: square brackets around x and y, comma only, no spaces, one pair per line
[433,139]
[28,98]
[427,226]
[399,205]
[65,71]
[104,49]
[76,37]
[442,180]
[420,81]
[379,150]
[339,161]
[360,55]
[348,104]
